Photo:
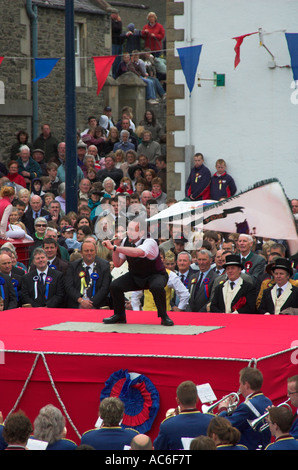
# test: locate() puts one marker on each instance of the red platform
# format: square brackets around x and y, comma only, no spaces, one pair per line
[69,367]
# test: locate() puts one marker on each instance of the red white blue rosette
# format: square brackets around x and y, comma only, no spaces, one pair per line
[139,395]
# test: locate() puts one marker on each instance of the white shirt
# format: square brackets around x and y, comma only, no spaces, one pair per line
[149,247]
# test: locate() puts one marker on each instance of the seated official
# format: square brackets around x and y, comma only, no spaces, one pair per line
[51,247]
[235,295]
[111,435]
[88,279]
[280,421]
[43,286]
[189,422]
[200,284]
[14,273]
[283,294]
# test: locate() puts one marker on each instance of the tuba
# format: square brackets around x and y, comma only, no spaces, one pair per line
[231,407]
[256,422]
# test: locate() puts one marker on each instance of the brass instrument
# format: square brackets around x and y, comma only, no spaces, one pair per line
[255,422]
[231,407]
[173,412]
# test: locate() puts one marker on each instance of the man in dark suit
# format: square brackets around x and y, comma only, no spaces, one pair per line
[13,272]
[235,295]
[43,286]
[88,279]
[34,211]
[200,284]
[7,291]
[253,264]
[185,271]
[283,294]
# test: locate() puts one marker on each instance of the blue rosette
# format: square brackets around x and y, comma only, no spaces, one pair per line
[139,395]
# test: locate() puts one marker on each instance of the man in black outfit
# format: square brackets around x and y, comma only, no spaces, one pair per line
[146,271]
[88,279]
[43,286]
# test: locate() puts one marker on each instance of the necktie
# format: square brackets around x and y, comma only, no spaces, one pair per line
[41,277]
[87,274]
[232,284]
[279,292]
[182,278]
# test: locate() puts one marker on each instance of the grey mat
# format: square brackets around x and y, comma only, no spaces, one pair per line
[130,328]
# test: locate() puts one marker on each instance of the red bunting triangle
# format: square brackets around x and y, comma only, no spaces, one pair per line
[102,68]
[239,41]
[1,59]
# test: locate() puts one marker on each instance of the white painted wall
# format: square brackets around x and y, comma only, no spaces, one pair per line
[251,122]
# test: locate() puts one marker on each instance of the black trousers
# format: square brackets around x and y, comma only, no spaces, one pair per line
[156,283]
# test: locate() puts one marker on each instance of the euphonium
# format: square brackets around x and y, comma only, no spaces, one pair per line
[255,422]
[231,407]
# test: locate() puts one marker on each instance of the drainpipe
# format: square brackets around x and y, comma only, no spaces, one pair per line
[32,14]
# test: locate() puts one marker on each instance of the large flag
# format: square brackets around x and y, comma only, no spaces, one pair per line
[292,40]
[189,59]
[102,68]
[43,67]
[239,41]
[262,211]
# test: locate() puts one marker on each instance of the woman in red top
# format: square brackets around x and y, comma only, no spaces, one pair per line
[153,33]
[7,195]
[13,174]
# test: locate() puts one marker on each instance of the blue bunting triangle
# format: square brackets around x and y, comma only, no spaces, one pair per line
[43,68]
[189,58]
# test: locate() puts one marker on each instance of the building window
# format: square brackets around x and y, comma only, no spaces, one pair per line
[77,46]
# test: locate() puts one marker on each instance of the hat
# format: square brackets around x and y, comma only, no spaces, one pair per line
[131,27]
[107,108]
[283,263]
[37,150]
[81,145]
[67,228]
[233,260]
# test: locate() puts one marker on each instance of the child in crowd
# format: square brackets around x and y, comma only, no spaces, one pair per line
[222,184]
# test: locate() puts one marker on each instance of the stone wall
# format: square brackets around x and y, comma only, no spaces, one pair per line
[173,122]
[16,70]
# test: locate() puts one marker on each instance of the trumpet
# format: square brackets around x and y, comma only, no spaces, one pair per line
[231,407]
[254,423]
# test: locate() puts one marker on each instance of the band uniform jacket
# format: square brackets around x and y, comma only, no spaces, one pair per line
[289,298]
[56,291]
[243,299]
[102,286]
[199,295]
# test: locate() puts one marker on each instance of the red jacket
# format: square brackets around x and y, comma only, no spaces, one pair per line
[153,42]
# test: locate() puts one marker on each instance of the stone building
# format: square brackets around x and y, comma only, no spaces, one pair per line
[92,38]
[250,119]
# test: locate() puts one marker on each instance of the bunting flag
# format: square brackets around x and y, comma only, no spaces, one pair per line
[43,67]
[262,211]
[189,59]
[292,40]
[239,41]
[1,59]
[102,68]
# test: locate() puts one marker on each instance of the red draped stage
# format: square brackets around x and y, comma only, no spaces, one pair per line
[69,368]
